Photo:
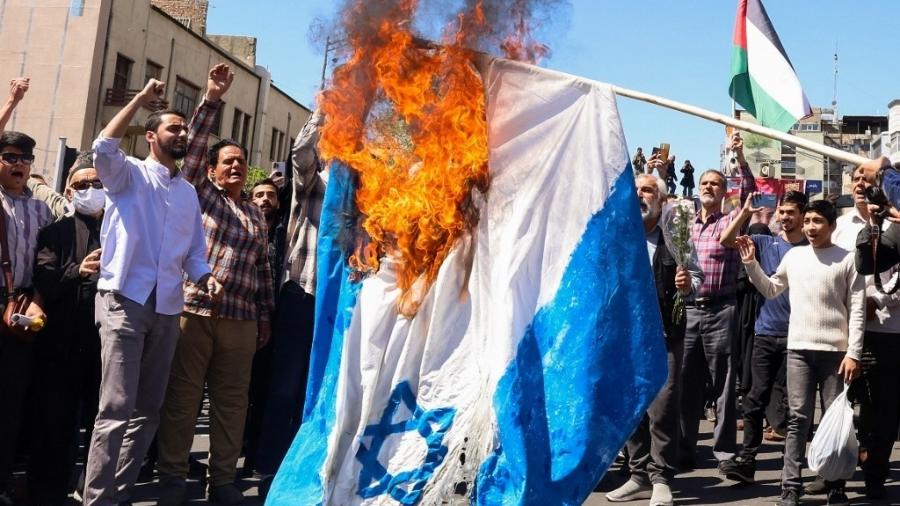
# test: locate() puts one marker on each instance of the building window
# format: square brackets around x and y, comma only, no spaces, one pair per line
[186,96]
[123,73]
[245,131]
[217,121]
[274,146]
[236,123]
[152,71]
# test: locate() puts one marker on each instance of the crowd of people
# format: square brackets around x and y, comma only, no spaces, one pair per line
[776,312]
[142,287]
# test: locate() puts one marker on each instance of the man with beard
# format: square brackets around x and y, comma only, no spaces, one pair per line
[217,342]
[771,329]
[265,196]
[67,351]
[152,236]
[711,332]
[878,388]
[653,447]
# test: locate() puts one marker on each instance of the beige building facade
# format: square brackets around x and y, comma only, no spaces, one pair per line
[87,58]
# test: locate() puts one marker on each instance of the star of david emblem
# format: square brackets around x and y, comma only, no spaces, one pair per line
[405,486]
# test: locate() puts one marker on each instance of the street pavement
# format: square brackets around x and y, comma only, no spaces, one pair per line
[701,487]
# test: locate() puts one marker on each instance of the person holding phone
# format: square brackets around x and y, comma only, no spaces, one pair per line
[687,180]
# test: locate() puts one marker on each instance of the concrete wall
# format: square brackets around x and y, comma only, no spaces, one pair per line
[192,11]
[241,47]
[57,46]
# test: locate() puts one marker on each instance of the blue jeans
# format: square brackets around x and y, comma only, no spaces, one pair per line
[292,342]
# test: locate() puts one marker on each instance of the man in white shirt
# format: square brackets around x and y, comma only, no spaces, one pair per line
[152,236]
[878,388]
[825,333]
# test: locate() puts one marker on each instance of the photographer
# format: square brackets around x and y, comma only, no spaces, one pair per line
[877,389]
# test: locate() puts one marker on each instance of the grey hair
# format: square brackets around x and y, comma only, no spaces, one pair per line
[660,184]
[716,172]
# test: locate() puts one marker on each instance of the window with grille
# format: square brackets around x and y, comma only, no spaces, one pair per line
[186,96]
[122,73]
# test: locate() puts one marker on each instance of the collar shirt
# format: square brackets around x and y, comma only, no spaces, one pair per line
[306,206]
[152,232]
[719,264]
[25,216]
[236,237]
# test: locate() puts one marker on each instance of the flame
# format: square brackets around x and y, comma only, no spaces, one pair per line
[409,119]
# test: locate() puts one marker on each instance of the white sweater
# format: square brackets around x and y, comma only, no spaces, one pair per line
[827,297]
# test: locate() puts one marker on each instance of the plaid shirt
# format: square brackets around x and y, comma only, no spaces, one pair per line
[719,264]
[236,237]
[306,206]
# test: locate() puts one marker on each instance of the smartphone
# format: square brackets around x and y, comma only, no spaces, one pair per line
[664,151]
[655,150]
[769,200]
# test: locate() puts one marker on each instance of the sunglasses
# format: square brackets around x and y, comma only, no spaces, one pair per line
[85,184]
[14,158]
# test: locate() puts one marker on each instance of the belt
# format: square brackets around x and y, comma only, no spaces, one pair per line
[708,302]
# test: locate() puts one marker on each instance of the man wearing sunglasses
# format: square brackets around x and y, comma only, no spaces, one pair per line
[24,217]
[67,365]
[152,236]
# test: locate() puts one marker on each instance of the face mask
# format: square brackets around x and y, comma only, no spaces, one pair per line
[89,201]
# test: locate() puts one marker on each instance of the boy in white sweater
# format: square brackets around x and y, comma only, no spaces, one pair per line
[825,335]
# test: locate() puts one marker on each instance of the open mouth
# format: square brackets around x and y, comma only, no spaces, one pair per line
[17,173]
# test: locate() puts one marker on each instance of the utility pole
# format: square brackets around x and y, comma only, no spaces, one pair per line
[331,46]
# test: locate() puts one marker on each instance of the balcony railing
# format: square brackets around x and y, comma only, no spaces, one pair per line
[119,96]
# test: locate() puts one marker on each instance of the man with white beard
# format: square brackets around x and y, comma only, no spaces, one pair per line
[653,448]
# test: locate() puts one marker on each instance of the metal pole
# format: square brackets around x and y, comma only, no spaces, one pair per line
[58,181]
[325,62]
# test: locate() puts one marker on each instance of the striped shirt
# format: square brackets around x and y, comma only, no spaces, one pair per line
[719,264]
[236,237]
[306,206]
[25,217]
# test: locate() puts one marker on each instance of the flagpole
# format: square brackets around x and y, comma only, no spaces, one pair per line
[792,140]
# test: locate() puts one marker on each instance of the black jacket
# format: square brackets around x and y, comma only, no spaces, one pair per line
[664,270]
[68,297]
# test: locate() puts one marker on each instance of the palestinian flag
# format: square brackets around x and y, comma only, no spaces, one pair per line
[763,80]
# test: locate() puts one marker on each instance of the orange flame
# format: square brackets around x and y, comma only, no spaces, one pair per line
[409,119]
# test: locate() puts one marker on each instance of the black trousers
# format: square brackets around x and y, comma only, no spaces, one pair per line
[767,369]
[878,392]
[653,447]
[16,362]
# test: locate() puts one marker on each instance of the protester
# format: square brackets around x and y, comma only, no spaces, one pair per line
[825,335]
[670,177]
[22,218]
[653,448]
[217,342]
[687,180]
[59,205]
[639,162]
[710,337]
[67,351]
[769,347]
[152,236]
[265,196]
[878,388]
[18,87]
[292,333]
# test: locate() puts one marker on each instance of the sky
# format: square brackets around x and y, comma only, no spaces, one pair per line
[677,49]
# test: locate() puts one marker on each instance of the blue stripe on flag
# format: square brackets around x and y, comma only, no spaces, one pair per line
[335,300]
[586,370]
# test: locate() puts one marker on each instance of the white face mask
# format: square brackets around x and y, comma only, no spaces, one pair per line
[89,201]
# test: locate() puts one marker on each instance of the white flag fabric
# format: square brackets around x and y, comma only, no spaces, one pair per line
[534,354]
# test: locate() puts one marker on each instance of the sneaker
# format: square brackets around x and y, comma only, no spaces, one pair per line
[816,487]
[227,494]
[738,469]
[711,414]
[172,492]
[630,491]
[662,495]
[837,497]
[789,497]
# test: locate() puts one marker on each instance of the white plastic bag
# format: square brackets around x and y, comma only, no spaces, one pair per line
[834,450]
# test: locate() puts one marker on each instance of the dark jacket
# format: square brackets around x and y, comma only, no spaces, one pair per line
[664,270]
[68,297]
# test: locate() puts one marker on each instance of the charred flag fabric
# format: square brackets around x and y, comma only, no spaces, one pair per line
[536,350]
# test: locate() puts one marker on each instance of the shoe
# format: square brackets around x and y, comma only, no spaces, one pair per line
[711,414]
[662,495]
[789,497]
[227,494]
[172,492]
[837,497]
[738,469]
[816,487]
[630,491]
[875,490]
